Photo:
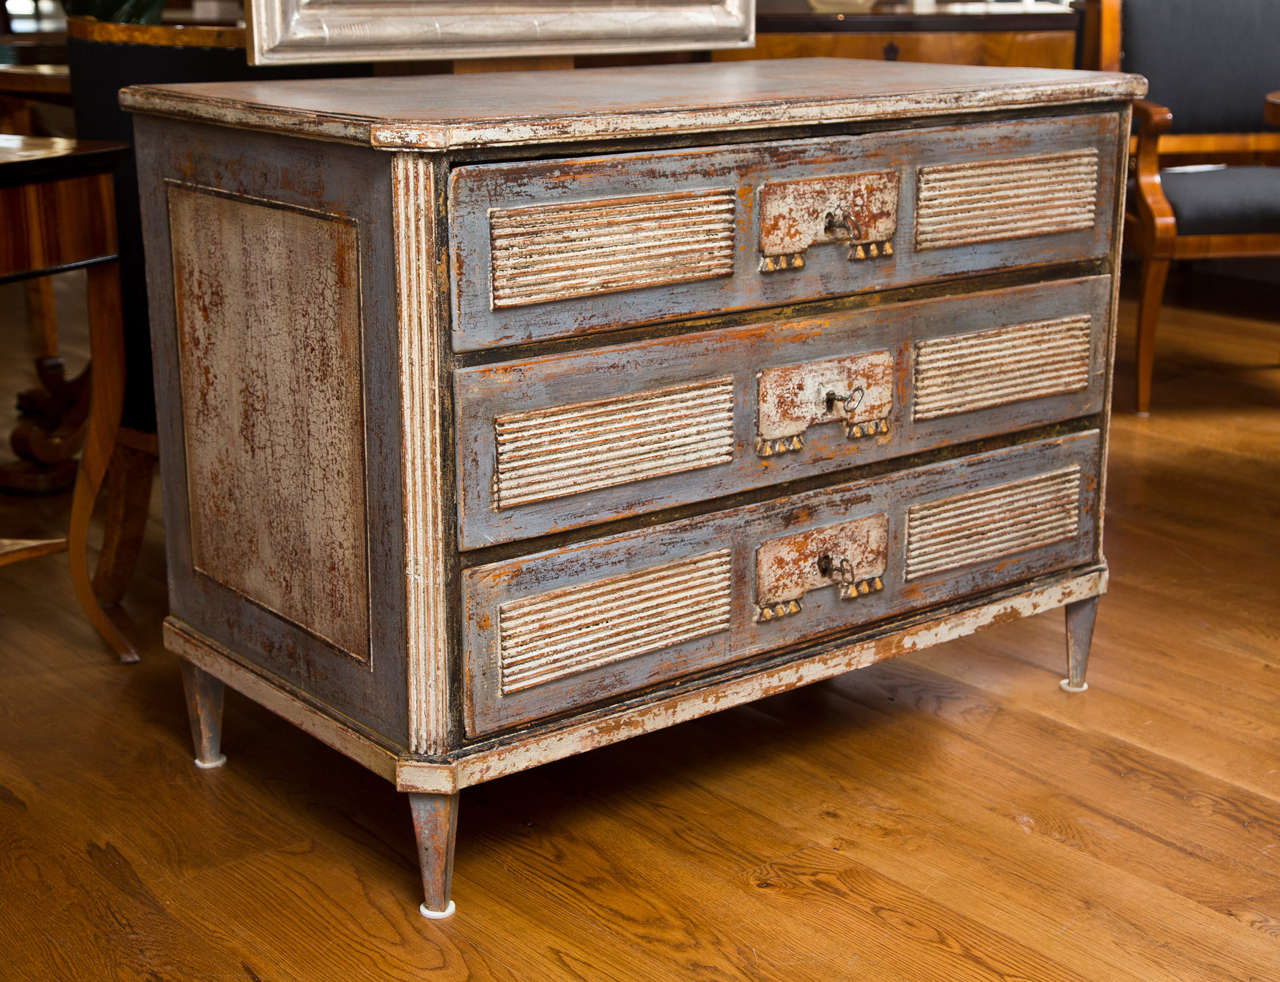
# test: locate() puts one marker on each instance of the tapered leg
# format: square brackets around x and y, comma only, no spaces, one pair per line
[435,823]
[204,708]
[1154,274]
[1080,618]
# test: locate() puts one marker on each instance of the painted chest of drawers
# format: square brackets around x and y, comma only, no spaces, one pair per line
[507,416]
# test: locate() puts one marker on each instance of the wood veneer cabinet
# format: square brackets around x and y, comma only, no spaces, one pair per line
[504,417]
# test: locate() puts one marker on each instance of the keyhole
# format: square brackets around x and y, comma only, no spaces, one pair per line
[825,565]
[831,401]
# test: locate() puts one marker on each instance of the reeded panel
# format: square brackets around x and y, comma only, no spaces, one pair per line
[564,450]
[991,200]
[790,221]
[984,525]
[585,621]
[576,249]
[967,372]
[552,635]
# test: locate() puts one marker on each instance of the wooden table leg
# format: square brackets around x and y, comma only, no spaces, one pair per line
[106,340]
[1080,618]
[204,710]
[435,823]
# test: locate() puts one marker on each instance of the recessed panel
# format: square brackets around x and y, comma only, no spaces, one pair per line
[269,338]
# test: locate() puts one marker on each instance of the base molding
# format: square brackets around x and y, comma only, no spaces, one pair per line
[521,751]
[276,695]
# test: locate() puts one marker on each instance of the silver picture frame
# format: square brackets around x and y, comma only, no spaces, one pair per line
[283,32]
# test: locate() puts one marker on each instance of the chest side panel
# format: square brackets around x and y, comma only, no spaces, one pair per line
[268,326]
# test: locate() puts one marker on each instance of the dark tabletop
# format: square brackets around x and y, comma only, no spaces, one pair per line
[25,159]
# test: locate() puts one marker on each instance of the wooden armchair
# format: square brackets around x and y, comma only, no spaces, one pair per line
[1204,178]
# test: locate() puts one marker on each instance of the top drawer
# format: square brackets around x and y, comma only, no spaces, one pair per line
[549,249]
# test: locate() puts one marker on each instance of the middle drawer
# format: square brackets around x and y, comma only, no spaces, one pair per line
[563,441]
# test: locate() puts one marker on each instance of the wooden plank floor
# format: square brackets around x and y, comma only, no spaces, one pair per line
[951,815]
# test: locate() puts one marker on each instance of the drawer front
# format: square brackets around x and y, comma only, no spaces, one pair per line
[563,441]
[550,249]
[558,630]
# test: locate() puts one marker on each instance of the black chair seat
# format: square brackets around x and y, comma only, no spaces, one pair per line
[1224,201]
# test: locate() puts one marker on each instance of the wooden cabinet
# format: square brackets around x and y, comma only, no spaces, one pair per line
[505,417]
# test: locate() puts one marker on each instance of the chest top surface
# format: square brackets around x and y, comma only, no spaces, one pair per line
[443,112]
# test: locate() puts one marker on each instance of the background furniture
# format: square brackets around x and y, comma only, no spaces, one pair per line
[52,196]
[1206,182]
[1040,35]
[486,443]
[45,464]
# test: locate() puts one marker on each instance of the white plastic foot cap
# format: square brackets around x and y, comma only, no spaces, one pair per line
[208,765]
[1066,686]
[437,915]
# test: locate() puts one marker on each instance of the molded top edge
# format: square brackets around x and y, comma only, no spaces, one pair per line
[443,112]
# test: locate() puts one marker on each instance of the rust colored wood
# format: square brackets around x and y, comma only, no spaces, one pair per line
[204,710]
[128,495]
[1226,148]
[1271,110]
[169,35]
[107,384]
[1030,49]
[16,550]
[56,197]
[39,82]
[464,66]
[62,223]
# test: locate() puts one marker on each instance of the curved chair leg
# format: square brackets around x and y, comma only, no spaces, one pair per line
[128,496]
[1154,273]
[106,342]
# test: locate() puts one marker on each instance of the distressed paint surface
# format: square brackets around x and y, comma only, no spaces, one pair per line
[405,380]
[548,253]
[476,190]
[553,635]
[483,394]
[518,108]
[565,450]
[421,422]
[856,392]
[850,556]
[979,526]
[269,341]
[749,683]
[584,565]
[992,368]
[1015,198]
[858,211]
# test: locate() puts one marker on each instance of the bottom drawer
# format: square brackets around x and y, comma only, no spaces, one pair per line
[558,630]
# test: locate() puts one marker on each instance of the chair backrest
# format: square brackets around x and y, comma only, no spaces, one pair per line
[1210,61]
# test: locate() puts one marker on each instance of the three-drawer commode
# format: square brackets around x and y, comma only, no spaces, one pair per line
[491,435]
